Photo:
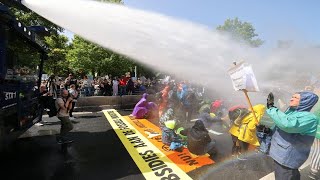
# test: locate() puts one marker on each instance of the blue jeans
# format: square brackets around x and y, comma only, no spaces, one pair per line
[265,142]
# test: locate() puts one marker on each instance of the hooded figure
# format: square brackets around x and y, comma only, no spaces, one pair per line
[207,119]
[293,134]
[140,110]
[199,141]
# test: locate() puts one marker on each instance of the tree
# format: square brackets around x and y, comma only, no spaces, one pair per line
[56,63]
[32,19]
[241,31]
[87,57]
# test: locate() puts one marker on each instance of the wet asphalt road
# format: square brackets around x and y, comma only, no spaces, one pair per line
[97,153]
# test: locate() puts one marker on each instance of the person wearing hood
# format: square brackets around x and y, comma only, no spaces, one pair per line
[199,141]
[293,134]
[243,129]
[207,119]
[140,110]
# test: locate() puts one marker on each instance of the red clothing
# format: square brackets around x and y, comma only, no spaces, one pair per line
[123,81]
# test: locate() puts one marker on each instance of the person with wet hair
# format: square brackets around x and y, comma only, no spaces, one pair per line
[293,134]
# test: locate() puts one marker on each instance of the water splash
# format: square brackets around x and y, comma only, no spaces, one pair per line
[190,51]
[179,47]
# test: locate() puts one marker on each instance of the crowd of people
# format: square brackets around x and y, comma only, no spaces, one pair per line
[185,119]
[101,86]
[288,142]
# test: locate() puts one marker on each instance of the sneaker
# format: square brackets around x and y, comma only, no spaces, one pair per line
[71,118]
[59,140]
[67,141]
[241,157]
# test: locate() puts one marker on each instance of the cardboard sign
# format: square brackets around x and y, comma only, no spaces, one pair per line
[243,78]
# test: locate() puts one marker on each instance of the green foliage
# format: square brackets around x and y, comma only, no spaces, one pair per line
[85,57]
[241,31]
[33,19]
[80,56]
[56,63]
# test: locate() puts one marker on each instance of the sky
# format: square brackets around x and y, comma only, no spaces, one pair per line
[273,19]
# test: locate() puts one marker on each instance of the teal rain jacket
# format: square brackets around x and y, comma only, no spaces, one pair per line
[294,132]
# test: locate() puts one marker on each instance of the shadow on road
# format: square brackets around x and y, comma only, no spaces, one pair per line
[98,155]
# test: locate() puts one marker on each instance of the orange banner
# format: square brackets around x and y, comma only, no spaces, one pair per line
[185,160]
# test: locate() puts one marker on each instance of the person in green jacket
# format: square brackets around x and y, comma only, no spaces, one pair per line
[293,135]
[315,157]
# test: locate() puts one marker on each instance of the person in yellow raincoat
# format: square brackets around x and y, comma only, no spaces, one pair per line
[243,129]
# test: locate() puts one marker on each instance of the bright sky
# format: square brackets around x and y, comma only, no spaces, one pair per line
[273,19]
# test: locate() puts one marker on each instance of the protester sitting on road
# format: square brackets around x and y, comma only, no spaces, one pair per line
[243,129]
[63,105]
[140,110]
[293,134]
[208,119]
[199,141]
[169,137]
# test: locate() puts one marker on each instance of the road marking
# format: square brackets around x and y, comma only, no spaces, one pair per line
[214,132]
[152,163]
[74,113]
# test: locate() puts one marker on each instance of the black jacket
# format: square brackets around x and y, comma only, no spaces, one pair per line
[198,138]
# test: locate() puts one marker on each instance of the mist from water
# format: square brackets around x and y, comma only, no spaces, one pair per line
[187,50]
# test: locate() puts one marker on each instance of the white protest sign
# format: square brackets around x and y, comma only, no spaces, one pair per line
[243,78]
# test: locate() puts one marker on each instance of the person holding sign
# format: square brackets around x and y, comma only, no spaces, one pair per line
[293,134]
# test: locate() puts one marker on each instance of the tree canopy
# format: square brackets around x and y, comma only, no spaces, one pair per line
[241,31]
[77,55]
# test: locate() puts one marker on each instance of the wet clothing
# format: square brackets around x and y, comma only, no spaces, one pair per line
[284,173]
[168,134]
[63,116]
[206,118]
[140,109]
[199,141]
[168,115]
[294,132]
[246,130]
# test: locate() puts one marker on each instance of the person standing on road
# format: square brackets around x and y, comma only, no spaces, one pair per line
[74,95]
[293,134]
[115,86]
[63,104]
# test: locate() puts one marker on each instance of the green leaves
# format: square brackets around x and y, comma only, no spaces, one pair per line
[241,31]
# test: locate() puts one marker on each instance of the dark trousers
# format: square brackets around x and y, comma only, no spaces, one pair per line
[66,125]
[284,173]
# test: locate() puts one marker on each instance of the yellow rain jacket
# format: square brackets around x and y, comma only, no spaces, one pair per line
[246,132]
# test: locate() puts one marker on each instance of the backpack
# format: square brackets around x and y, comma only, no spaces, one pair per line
[237,113]
[53,109]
